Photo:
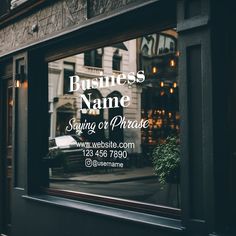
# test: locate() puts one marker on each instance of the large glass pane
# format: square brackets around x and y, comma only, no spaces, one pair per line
[116,132]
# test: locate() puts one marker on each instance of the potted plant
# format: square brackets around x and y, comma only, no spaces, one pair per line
[166,160]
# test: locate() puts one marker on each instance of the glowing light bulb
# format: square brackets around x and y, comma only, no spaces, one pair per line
[17,83]
[172,63]
[154,69]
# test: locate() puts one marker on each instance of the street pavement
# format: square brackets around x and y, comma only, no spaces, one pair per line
[119,175]
[138,184]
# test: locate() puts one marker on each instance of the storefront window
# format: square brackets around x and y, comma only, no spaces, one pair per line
[116,131]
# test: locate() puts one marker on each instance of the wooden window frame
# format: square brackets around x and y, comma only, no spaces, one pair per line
[79,41]
[160,210]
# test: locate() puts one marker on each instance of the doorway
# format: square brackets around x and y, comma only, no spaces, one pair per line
[6,111]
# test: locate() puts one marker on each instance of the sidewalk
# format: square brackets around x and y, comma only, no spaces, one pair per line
[120,175]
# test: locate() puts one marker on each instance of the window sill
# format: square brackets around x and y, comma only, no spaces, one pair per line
[158,210]
[127,215]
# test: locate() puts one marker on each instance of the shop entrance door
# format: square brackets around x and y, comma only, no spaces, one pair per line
[6,105]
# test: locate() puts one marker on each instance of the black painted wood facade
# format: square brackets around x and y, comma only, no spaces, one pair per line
[207,110]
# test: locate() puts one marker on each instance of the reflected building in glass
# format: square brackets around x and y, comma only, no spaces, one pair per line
[155,100]
[142,70]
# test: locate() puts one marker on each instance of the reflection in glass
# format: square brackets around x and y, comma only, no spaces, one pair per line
[121,103]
